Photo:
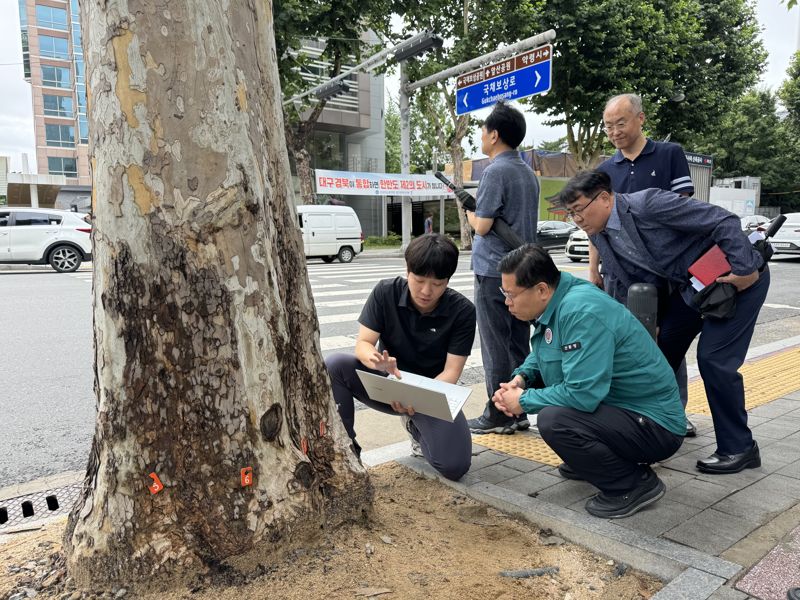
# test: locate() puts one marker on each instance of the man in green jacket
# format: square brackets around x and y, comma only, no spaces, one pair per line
[606,397]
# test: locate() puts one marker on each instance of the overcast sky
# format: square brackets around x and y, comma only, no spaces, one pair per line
[16,118]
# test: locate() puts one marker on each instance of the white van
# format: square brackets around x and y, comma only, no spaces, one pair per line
[330,232]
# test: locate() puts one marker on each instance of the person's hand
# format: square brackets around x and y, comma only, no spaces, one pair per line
[383,362]
[506,399]
[595,277]
[742,282]
[403,410]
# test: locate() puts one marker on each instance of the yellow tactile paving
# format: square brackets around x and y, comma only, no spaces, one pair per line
[523,445]
[765,379]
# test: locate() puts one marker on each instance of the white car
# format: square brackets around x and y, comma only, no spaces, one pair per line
[40,236]
[787,239]
[577,246]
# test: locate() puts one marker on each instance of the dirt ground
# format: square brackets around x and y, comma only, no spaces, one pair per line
[424,541]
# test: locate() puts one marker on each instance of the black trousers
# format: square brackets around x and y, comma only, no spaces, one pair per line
[610,447]
[721,350]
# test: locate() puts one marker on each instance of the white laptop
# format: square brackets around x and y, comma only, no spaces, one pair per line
[425,395]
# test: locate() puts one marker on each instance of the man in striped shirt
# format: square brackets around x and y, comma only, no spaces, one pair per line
[638,164]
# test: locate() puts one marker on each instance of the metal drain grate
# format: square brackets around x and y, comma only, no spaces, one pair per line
[22,510]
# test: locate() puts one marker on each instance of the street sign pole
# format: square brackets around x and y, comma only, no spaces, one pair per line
[405,153]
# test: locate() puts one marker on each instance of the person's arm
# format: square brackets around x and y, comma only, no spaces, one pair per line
[481,225]
[594,266]
[367,352]
[453,367]
[586,370]
[680,175]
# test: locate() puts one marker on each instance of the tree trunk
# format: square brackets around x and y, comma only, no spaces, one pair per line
[302,161]
[461,125]
[206,339]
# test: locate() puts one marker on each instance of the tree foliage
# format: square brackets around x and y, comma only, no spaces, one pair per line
[751,140]
[707,50]
[789,94]
[391,124]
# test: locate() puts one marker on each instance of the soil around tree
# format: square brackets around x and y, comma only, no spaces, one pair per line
[423,540]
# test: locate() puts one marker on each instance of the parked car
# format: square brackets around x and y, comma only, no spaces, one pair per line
[40,236]
[754,223]
[553,234]
[330,232]
[787,239]
[578,246]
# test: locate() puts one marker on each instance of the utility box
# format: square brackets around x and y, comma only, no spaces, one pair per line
[700,168]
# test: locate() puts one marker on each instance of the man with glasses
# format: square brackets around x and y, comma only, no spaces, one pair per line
[653,236]
[508,189]
[606,399]
[639,164]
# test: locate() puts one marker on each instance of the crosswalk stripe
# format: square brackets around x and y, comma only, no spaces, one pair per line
[340,318]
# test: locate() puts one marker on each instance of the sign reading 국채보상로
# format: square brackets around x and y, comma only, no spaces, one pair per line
[378,184]
[514,78]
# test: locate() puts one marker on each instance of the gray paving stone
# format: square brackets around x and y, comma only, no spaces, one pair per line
[671,477]
[531,483]
[567,493]
[478,449]
[485,459]
[697,493]
[711,531]
[763,499]
[776,429]
[753,420]
[791,470]
[660,517]
[793,396]
[737,481]
[728,593]
[696,444]
[686,462]
[522,465]
[495,473]
[692,584]
[773,409]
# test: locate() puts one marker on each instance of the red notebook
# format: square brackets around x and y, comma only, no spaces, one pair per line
[711,265]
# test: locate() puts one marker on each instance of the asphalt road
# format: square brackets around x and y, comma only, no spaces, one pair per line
[47,406]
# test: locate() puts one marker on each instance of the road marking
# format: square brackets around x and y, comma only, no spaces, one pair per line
[340,318]
[782,306]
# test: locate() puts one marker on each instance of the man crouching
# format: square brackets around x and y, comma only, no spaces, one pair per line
[607,400]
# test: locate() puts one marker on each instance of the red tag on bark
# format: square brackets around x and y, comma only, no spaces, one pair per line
[157,485]
[247,476]
[322,428]
[304,445]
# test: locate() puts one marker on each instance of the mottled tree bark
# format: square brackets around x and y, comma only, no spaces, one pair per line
[206,339]
[457,151]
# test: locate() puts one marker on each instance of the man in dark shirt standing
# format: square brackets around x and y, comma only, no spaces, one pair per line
[420,325]
[638,164]
[509,190]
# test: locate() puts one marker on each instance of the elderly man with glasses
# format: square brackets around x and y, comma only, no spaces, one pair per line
[606,399]
[654,236]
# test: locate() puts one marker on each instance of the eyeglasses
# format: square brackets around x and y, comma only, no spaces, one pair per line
[510,296]
[609,127]
[578,212]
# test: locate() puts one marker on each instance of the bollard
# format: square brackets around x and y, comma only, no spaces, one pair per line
[643,303]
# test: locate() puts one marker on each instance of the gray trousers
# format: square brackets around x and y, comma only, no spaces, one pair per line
[446,446]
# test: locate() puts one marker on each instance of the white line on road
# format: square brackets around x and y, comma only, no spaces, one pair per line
[782,306]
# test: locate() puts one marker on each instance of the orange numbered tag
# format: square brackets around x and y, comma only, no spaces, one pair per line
[247,476]
[157,485]
[322,428]
[304,445]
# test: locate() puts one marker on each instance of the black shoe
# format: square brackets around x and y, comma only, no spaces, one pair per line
[691,430]
[521,422]
[648,491]
[793,594]
[568,472]
[730,463]
[482,425]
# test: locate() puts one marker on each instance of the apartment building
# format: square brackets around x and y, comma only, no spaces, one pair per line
[53,65]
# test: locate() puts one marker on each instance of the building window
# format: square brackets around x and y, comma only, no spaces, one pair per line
[52,18]
[83,129]
[53,47]
[56,77]
[62,136]
[57,165]
[58,106]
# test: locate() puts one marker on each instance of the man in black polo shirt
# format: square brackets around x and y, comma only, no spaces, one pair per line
[420,325]
[638,164]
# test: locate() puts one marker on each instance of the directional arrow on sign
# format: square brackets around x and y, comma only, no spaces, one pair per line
[538,79]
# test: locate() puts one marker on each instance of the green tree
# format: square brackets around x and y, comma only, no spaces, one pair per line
[652,47]
[557,145]
[391,123]
[751,140]
[789,94]
[431,131]
[341,26]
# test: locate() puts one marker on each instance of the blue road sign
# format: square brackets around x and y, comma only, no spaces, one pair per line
[515,78]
